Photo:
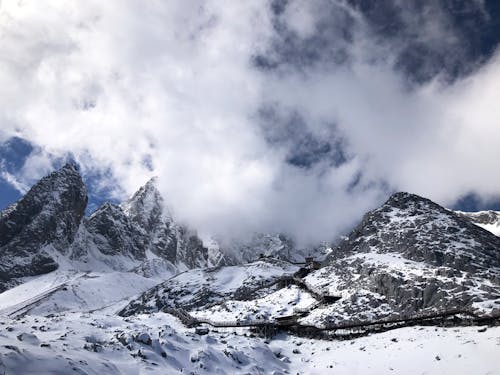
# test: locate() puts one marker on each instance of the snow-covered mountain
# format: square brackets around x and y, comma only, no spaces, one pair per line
[119,291]
[44,221]
[408,256]
[276,245]
[46,229]
[140,233]
[411,255]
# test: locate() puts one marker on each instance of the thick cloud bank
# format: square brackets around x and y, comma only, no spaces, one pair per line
[294,116]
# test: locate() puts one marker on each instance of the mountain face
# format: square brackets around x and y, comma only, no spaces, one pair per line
[46,219]
[142,229]
[407,256]
[421,230]
[47,229]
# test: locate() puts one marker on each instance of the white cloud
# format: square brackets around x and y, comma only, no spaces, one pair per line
[118,82]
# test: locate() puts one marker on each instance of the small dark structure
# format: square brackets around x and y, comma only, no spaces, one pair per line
[285,281]
[302,272]
[312,264]
[265,330]
[287,320]
[331,299]
[201,331]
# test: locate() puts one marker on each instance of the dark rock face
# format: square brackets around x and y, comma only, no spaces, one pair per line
[410,255]
[139,229]
[114,233]
[146,210]
[163,237]
[421,230]
[48,222]
[48,215]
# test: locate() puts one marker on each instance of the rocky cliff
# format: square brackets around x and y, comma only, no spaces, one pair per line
[44,221]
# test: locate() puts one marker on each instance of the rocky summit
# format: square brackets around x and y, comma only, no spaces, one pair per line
[408,256]
[45,220]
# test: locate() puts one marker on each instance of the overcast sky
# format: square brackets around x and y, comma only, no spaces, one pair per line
[295,116]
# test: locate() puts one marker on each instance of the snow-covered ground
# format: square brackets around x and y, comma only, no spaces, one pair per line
[61,291]
[493,228]
[71,326]
[158,344]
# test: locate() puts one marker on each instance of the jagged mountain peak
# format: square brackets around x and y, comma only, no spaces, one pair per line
[53,198]
[47,216]
[404,199]
[147,206]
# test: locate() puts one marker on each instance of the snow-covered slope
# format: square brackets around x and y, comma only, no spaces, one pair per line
[199,288]
[489,220]
[73,291]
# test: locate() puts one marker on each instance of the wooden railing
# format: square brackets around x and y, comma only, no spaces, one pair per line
[467,315]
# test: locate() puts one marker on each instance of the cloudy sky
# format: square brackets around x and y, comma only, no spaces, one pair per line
[263,115]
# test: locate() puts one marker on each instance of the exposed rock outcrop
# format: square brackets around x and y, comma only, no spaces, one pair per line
[45,220]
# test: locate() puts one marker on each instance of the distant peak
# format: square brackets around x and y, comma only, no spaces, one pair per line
[146,203]
[404,199]
[70,166]
[153,181]
[404,196]
[149,188]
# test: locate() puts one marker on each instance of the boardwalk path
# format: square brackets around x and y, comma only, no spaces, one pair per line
[449,317]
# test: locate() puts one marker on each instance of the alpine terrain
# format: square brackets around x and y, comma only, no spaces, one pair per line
[129,289]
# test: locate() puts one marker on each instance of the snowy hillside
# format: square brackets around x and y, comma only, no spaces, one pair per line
[202,287]
[489,220]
